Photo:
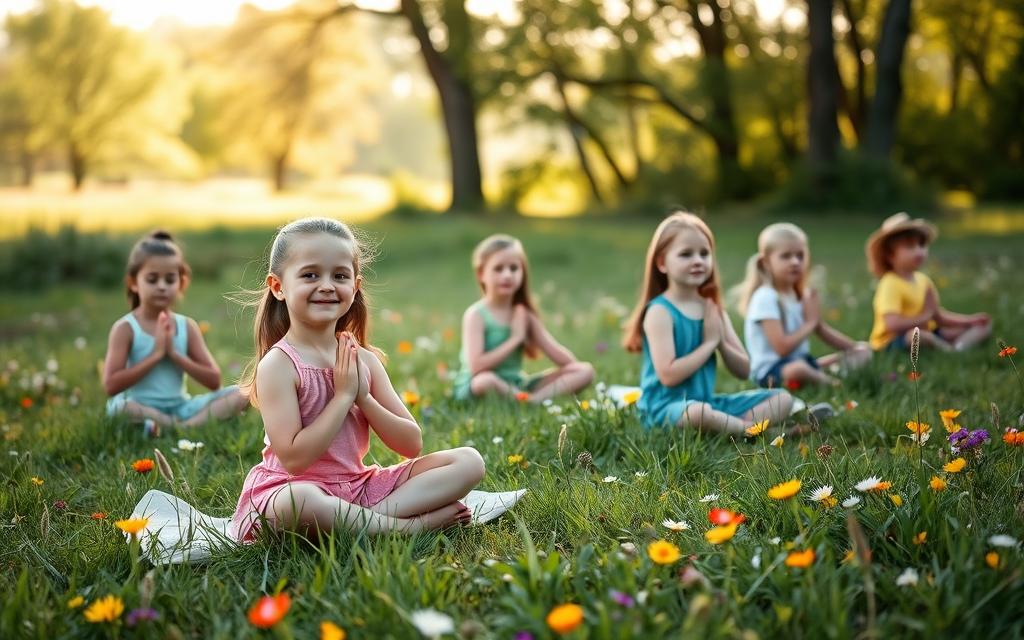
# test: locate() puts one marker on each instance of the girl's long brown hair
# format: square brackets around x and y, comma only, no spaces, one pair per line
[483,252]
[155,243]
[655,282]
[272,321]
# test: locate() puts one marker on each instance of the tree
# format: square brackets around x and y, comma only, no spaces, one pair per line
[822,127]
[881,130]
[96,89]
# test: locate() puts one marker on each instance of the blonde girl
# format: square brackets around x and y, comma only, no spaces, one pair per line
[781,313]
[321,389]
[151,348]
[503,325]
[679,325]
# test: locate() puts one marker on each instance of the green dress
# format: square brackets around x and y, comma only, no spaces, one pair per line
[510,369]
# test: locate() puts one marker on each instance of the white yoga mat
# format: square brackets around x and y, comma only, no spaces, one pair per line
[179,533]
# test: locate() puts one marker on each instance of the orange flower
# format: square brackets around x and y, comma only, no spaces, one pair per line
[99,515]
[721,516]
[937,484]
[920,538]
[784,490]
[1007,351]
[800,559]
[132,526]
[949,417]
[918,428]
[1014,438]
[992,559]
[954,466]
[331,631]
[522,396]
[26,403]
[269,610]
[405,347]
[663,552]
[411,398]
[913,376]
[565,617]
[718,535]
[757,427]
[145,465]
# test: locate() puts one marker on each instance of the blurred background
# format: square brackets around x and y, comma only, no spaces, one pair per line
[118,114]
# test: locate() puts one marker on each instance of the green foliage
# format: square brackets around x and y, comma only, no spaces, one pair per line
[40,260]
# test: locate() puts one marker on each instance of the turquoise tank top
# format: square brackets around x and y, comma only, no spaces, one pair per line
[165,382]
[495,334]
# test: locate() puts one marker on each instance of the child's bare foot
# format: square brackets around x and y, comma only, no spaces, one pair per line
[447,516]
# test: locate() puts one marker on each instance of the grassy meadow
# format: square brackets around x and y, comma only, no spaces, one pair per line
[930,563]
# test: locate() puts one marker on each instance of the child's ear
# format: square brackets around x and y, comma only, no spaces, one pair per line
[659,264]
[358,284]
[132,284]
[274,284]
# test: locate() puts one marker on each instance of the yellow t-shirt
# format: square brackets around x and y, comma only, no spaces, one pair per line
[896,295]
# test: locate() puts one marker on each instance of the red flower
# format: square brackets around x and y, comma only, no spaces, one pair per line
[793,385]
[145,465]
[99,515]
[269,610]
[1007,351]
[26,403]
[722,517]
[913,376]
[522,396]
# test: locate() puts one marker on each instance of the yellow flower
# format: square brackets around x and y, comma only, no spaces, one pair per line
[331,631]
[585,405]
[757,427]
[918,428]
[718,535]
[630,397]
[565,617]
[106,609]
[132,526]
[76,602]
[405,347]
[663,552]
[920,538]
[784,490]
[992,559]
[411,398]
[800,559]
[949,417]
[848,557]
[204,327]
[515,458]
[954,466]
[37,481]
[896,499]
[937,484]
[829,501]
[778,441]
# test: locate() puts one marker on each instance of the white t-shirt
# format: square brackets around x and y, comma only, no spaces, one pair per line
[767,304]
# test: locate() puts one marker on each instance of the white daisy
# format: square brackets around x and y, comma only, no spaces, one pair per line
[610,479]
[776,540]
[497,440]
[908,578]
[640,474]
[920,438]
[1002,540]
[432,623]
[852,501]
[869,484]
[187,445]
[821,493]
[711,497]
[674,525]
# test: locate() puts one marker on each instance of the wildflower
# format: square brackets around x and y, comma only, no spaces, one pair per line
[663,552]
[60,505]
[690,576]
[913,376]
[920,538]
[718,535]
[185,444]
[1014,438]
[908,578]
[784,490]
[37,481]
[132,526]
[143,614]
[98,515]
[915,347]
[949,417]
[405,347]
[721,516]
[628,549]
[1002,540]
[610,479]
[411,398]
[145,465]
[674,525]
[106,609]
[622,599]
[269,610]
[852,501]
[163,466]
[896,499]
[26,402]
[640,474]
[992,559]
[824,496]
[76,602]
[565,617]
[711,497]
[874,483]
[964,439]
[331,631]
[517,458]
[954,466]
[793,385]
[778,441]
[851,405]
[497,440]
[630,397]
[522,396]
[585,459]
[800,559]
[824,451]
[757,428]
[804,450]
[937,484]
[920,438]
[848,557]
[1007,351]
[918,428]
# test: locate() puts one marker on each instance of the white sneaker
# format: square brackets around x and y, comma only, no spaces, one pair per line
[820,412]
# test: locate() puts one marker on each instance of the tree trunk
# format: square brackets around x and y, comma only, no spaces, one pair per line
[857,110]
[577,130]
[822,127]
[881,132]
[956,67]
[77,165]
[28,167]
[279,169]
[458,107]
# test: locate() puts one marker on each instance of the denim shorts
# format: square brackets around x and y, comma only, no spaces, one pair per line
[773,379]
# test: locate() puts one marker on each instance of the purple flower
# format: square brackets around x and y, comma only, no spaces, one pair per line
[145,614]
[523,635]
[601,347]
[964,439]
[622,599]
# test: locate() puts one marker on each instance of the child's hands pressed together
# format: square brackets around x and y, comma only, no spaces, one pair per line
[812,308]
[346,366]
[164,334]
[712,322]
[520,322]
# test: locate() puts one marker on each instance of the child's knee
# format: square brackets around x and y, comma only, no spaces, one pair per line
[586,371]
[782,404]
[696,413]
[483,382]
[471,463]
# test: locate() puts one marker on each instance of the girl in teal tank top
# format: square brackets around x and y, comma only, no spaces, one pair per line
[679,326]
[503,326]
[151,348]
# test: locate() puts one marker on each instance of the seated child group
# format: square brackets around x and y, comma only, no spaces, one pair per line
[321,387]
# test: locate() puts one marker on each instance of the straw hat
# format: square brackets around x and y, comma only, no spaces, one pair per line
[896,223]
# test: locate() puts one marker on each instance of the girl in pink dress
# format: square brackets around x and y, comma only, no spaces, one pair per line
[320,391]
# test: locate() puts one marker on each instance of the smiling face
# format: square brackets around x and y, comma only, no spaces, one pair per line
[319,279]
[158,282]
[687,260]
[502,272]
[787,263]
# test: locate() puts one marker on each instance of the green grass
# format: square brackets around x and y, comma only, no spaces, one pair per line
[562,543]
